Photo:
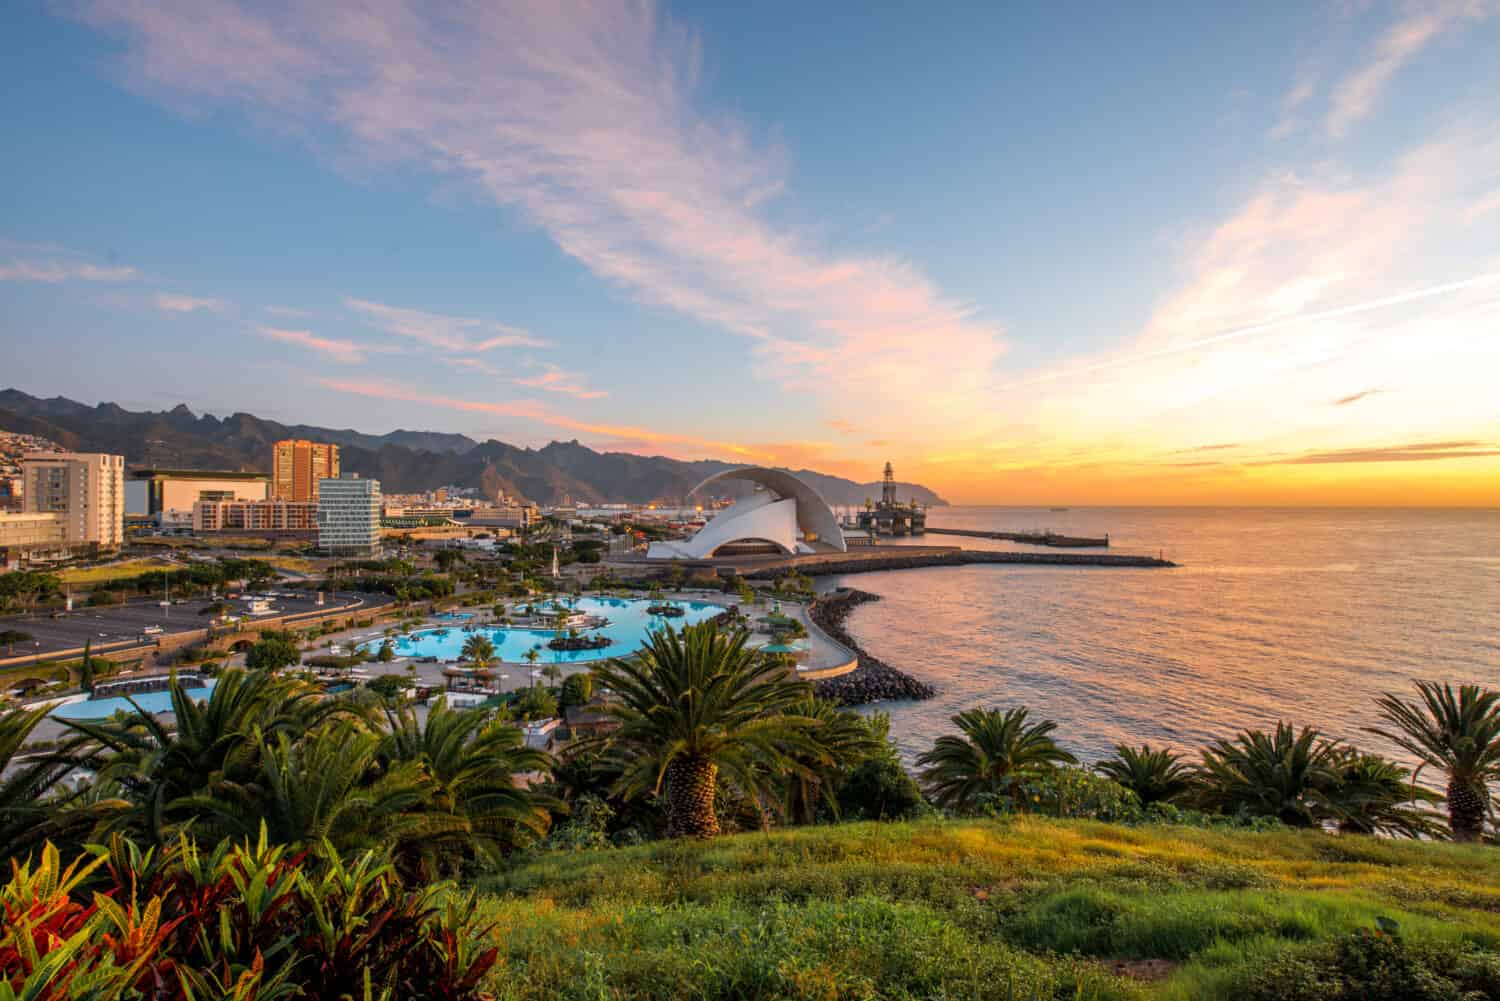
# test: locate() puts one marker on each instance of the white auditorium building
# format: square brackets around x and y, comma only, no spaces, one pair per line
[783,516]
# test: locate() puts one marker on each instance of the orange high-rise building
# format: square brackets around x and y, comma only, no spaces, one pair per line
[297,465]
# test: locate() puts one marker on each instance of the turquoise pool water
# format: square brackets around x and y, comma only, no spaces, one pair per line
[151,702]
[629,623]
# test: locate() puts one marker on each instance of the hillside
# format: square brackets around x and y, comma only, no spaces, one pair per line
[403,461]
[1026,908]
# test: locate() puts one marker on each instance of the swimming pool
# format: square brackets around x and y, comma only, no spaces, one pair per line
[151,702]
[629,622]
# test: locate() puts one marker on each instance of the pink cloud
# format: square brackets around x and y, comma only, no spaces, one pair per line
[583,117]
[53,271]
[170,302]
[468,364]
[347,352]
[1355,97]
[622,436]
[450,333]
[556,380]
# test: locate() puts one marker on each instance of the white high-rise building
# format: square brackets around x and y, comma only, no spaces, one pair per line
[349,516]
[85,489]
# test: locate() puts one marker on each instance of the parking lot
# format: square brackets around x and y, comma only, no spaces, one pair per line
[55,631]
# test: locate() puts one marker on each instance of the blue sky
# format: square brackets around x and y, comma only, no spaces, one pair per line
[1001,247]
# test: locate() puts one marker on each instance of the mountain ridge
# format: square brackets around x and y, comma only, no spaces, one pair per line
[404,461]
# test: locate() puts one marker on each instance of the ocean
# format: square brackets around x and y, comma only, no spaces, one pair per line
[1304,615]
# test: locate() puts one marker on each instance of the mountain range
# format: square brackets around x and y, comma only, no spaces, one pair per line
[403,461]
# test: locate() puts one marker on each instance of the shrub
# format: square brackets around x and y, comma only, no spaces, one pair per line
[273,652]
[1374,964]
[533,703]
[880,789]
[389,686]
[331,661]
[1077,793]
[577,689]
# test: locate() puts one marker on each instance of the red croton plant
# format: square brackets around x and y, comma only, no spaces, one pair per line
[248,921]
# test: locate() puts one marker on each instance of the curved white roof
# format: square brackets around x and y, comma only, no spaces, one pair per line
[787,513]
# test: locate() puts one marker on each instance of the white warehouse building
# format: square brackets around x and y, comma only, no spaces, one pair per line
[784,516]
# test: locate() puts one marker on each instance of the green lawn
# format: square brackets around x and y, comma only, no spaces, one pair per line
[115,571]
[982,909]
[296,564]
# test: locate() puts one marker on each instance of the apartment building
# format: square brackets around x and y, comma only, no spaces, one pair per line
[349,516]
[270,518]
[298,466]
[87,489]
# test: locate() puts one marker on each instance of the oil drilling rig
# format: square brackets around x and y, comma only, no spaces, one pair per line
[890,516]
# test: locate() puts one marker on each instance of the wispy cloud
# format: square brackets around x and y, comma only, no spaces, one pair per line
[21,262]
[468,363]
[531,410]
[1424,452]
[345,351]
[1302,91]
[1485,205]
[1206,448]
[1297,319]
[439,330]
[171,302]
[557,380]
[1344,401]
[1354,99]
[584,117]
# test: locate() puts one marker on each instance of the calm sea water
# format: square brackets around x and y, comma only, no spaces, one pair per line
[1303,615]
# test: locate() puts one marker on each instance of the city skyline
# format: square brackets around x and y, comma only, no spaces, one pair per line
[1186,256]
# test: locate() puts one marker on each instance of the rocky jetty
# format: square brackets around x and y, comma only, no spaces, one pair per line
[578,643]
[873,680]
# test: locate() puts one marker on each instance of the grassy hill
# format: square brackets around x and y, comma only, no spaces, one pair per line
[1025,908]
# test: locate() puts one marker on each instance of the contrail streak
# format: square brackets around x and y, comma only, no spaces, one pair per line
[1269,325]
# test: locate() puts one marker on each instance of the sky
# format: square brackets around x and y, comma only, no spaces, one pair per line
[1076,254]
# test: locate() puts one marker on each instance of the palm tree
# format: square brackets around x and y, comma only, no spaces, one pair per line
[86,667]
[212,744]
[473,760]
[697,707]
[1286,775]
[10,637]
[840,740]
[480,649]
[1457,734]
[1374,795]
[1154,775]
[997,750]
[34,806]
[327,785]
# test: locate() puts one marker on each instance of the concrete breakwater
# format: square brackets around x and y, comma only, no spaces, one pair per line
[892,559]
[873,680]
[1032,538]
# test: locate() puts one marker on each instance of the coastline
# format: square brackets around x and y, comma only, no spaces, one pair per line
[873,680]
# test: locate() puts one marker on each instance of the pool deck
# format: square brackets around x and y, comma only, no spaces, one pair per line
[825,657]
